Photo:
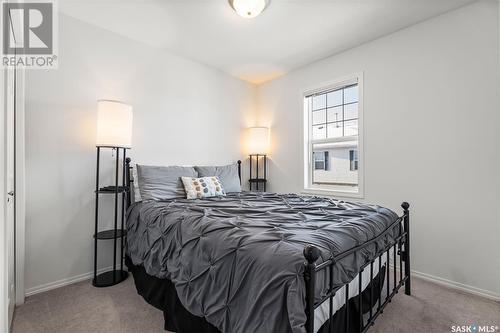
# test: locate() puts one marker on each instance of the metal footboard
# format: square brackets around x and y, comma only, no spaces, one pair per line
[400,247]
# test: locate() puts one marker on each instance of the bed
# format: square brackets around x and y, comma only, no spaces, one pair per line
[266,262]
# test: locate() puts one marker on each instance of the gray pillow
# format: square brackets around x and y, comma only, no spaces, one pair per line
[158,182]
[228,175]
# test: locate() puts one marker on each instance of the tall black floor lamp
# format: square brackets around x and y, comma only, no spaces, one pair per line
[258,163]
[258,145]
[114,128]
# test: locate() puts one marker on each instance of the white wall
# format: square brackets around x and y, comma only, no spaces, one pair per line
[184,113]
[425,88]
[430,102]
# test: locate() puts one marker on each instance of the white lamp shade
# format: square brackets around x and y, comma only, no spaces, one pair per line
[258,140]
[114,124]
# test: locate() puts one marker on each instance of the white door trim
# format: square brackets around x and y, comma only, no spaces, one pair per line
[20,210]
[20,188]
[10,203]
[4,307]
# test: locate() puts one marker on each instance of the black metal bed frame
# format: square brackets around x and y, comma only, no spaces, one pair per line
[401,249]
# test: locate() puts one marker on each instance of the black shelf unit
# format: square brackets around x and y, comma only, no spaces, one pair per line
[258,163]
[112,189]
[110,234]
[115,275]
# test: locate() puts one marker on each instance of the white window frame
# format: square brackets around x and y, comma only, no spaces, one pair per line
[309,187]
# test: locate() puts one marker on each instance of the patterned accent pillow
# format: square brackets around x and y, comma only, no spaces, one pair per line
[204,187]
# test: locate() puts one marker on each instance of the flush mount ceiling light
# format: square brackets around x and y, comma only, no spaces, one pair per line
[249,8]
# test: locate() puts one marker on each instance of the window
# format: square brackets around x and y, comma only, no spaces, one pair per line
[353,160]
[332,137]
[321,160]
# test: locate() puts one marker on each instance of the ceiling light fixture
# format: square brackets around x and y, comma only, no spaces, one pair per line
[249,8]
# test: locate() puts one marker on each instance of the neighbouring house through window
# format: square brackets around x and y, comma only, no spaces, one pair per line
[332,125]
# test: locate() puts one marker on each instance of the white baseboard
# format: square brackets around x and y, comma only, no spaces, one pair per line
[452,284]
[424,276]
[457,285]
[64,282]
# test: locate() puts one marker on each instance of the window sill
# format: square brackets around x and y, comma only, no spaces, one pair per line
[333,193]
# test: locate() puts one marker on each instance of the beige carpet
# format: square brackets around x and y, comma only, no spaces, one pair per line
[83,308]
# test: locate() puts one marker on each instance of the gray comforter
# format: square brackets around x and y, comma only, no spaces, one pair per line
[237,260]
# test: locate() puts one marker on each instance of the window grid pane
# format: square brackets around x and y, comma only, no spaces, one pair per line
[334,130]
[327,115]
[319,132]
[319,102]
[351,111]
[319,117]
[351,94]
[334,114]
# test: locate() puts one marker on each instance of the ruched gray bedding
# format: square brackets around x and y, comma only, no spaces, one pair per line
[237,260]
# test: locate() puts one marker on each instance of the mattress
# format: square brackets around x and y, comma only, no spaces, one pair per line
[237,260]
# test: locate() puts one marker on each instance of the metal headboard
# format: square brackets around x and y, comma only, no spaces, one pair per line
[130,180]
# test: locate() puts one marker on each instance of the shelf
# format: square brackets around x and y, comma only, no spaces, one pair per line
[257,180]
[111,189]
[116,274]
[109,278]
[110,234]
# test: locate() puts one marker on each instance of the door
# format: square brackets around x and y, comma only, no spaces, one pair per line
[10,109]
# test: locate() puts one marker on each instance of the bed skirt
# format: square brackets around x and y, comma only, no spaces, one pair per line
[161,294]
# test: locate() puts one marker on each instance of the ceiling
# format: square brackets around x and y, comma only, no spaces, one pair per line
[287,35]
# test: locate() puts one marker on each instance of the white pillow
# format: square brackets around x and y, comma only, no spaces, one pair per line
[204,187]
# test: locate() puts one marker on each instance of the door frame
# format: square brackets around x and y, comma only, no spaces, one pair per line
[19,197]
[4,307]
[19,180]
[10,183]
[20,187]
